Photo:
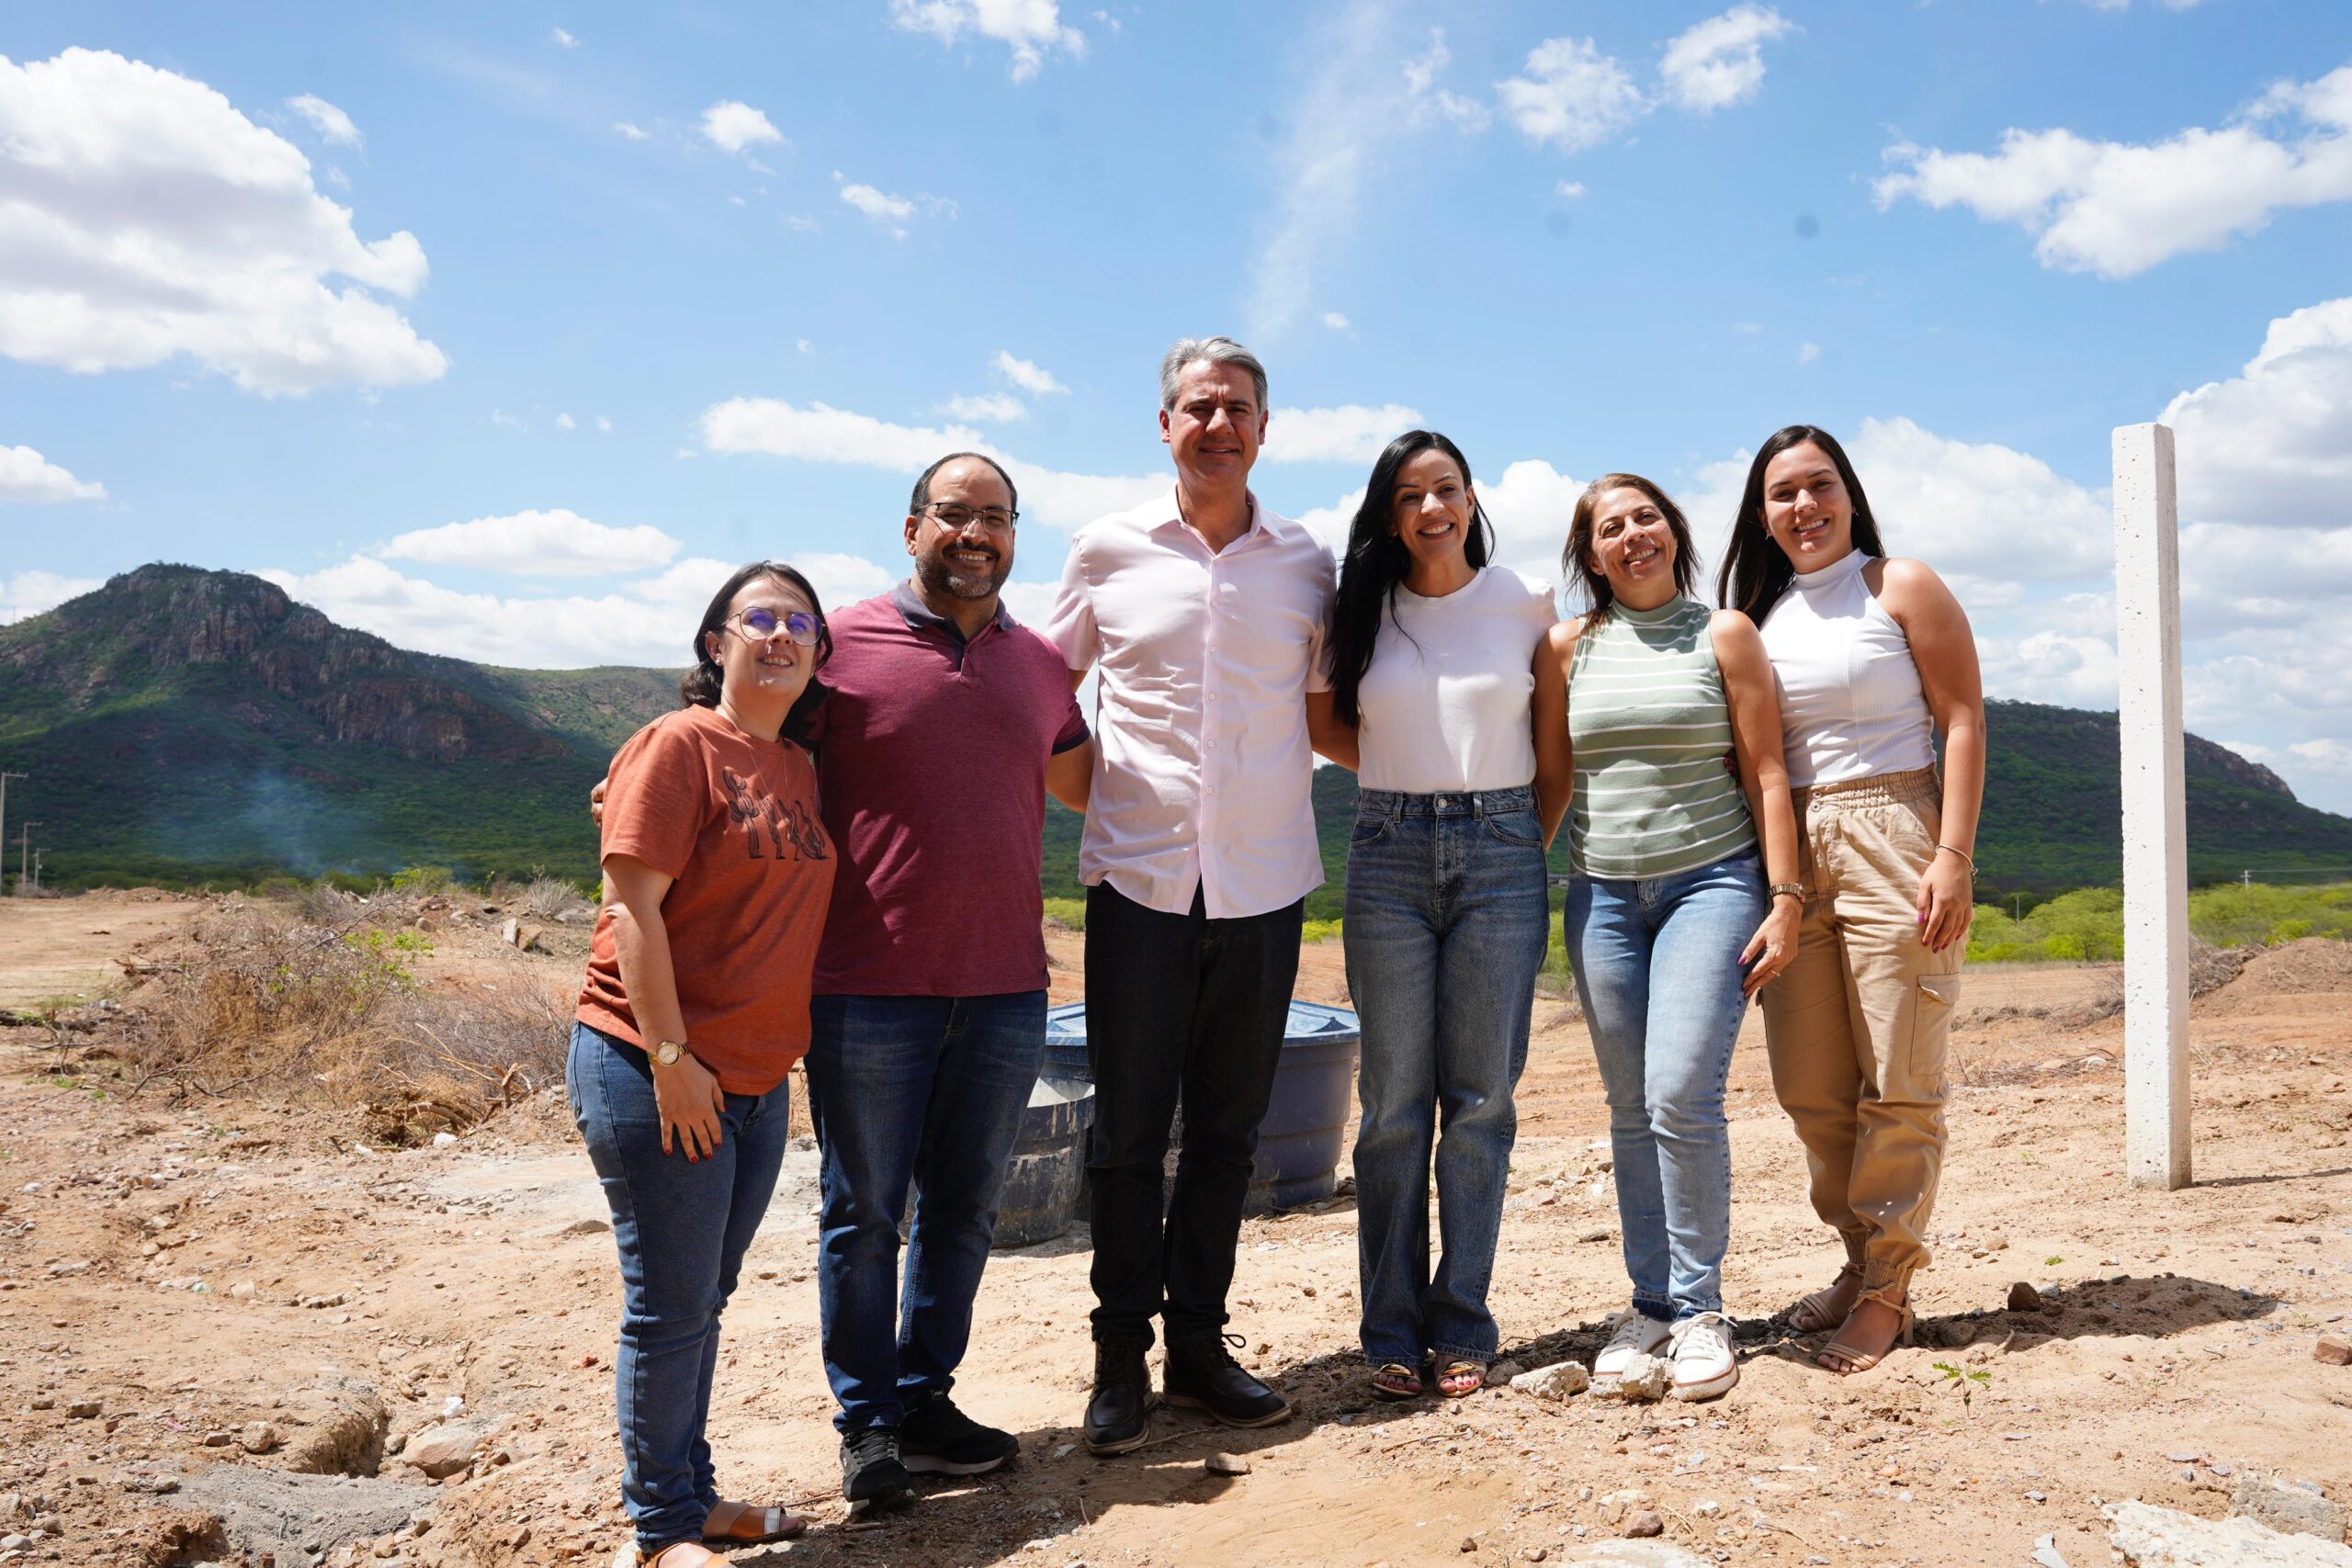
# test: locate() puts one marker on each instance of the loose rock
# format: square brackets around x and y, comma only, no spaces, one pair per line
[2023,1297]
[1556,1381]
[1644,1377]
[443,1450]
[2335,1352]
[2149,1537]
[258,1438]
[1644,1524]
[2292,1509]
[1226,1465]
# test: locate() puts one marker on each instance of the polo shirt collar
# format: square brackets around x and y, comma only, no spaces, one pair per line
[918,615]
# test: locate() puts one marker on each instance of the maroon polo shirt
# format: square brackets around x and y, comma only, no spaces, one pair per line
[931,779]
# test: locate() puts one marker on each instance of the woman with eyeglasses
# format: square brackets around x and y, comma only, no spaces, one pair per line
[694,1008]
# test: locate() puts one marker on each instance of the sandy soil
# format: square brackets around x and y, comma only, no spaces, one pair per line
[2173,1358]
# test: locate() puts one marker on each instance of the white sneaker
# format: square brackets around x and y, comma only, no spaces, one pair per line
[1636,1333]
[1704,1367]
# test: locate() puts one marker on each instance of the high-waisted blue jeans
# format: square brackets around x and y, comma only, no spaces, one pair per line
[681,1226]
[1446,925]
[1657,968]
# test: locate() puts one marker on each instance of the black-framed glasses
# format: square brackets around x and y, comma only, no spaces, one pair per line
[759,623]
[955,518]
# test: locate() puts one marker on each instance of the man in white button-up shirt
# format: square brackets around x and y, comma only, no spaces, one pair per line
[1204,614]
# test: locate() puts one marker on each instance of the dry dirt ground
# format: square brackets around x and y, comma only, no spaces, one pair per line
[181,1280]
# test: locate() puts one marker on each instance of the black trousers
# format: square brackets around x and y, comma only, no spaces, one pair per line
[1177,1002]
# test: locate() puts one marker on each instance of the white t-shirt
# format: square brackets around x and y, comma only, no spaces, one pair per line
[1447,702]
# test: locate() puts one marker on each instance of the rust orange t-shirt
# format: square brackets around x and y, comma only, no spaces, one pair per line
[733,821]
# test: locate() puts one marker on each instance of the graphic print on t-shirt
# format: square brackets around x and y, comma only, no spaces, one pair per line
[793,824]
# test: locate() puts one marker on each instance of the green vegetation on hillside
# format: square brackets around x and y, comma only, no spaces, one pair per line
[2087,924]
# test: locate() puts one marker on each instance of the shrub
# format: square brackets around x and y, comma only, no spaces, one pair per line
[1068,914]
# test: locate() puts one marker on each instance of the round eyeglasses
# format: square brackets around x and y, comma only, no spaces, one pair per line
[759,623]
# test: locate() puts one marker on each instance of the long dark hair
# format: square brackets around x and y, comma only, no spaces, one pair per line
[1377,563]
[700,686]
[1576,557]
[1755,571]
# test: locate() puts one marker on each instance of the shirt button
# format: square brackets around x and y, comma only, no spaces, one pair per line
[1211,745]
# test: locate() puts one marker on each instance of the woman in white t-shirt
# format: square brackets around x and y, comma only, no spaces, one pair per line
[1432,656]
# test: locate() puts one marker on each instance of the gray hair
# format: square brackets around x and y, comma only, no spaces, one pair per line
[1216,351]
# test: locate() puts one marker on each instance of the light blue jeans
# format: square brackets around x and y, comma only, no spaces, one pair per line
[1447,918]
[1657,968]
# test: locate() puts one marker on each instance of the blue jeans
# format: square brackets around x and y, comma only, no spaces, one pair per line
[1657,968]
[682,1227]
[924,1088]
[1447,919]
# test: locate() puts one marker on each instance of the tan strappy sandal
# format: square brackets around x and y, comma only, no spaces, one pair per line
[1458,1377]
[1395,1381]
[1859,1360]
[747,1524]
[1815,1313]
[678,1554]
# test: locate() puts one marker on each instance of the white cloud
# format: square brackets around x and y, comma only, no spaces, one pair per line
[1336,321]
[988,407]
[629,129]
[821,434]
[1030,603]
[1807,352]
[1026,374]
[1340,123]
[1031,29]
[1431,102]
[838,579]
[331,123]
[564,421]
[1571,95]
[141,217]
[506,421]
[1569,190]
[603,425]
[2273,445]
[890,212]
[1720,62]
[561,40]
[554,543]
[1980,510]
[26,476]
[35,592]
[1330,524]
[1348,433]
[732,126]
[2116,208]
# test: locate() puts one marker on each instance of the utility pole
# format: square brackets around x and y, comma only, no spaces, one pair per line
[24,851]
[36,854]
[5,777]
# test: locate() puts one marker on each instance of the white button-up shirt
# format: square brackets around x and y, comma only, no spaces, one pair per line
[1203,772]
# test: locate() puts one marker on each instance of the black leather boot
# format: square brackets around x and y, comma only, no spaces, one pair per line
[1202,1375]
[1122,1396]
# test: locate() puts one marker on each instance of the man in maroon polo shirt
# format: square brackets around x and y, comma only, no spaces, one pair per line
[948,724]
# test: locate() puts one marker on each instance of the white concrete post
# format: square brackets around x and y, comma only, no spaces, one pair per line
[2156,809]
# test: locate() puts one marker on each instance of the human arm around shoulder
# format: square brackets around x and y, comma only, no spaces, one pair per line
[1555,764]
[1754,703]
[1944,648]
[1070,775]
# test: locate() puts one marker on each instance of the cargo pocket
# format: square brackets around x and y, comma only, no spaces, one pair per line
[1932,1013]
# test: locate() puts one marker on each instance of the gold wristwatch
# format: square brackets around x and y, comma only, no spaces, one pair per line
[668,1053]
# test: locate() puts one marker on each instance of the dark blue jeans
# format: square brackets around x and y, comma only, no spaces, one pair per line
[682,1227]
[1178,1004]
[1447,918]
[927,1089]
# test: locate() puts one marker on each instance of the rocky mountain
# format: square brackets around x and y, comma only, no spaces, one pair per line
[186,726]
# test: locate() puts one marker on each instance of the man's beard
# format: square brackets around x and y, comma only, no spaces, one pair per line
[942,576]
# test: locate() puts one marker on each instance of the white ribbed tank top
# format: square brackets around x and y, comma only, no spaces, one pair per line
[1850,703]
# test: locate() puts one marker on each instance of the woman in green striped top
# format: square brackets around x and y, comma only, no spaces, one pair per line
[1670,923]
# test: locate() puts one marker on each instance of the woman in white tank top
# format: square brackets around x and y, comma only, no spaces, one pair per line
[1873,657]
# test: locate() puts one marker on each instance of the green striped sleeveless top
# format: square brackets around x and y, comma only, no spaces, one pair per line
[1651,729]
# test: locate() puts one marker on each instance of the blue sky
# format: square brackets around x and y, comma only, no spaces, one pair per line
[501,331]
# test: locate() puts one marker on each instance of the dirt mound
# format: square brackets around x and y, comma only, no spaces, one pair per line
[2308,967]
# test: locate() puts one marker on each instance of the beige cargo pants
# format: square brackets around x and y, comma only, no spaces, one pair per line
[1857,1025]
